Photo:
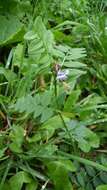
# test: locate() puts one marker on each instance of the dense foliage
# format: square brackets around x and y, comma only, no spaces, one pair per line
[53,95]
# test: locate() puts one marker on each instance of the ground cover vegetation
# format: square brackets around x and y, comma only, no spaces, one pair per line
[53,95]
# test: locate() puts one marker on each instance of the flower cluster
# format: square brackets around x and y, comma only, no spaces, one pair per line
[62,75]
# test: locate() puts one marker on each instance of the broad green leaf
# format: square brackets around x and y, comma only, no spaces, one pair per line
[91,172]
[2,151]
[32,186]
[15,8]
[104,70]
[16,182]
[11,30]
[80,179]
[17,55]
[67,164]
[84,145]
[58,172]
[102,187]
[8,74]
[54,122]
[85,138]
[51,125]
[16,137]
[42,151]
[89,186]
[71,100]
[97,181]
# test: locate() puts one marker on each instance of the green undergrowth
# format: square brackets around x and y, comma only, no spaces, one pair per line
[53,95]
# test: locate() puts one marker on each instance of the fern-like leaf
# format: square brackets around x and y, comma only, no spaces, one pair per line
[39,105]
[69,57]
[40,43]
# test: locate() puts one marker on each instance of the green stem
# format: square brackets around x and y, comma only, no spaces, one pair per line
[83,161]
[5,174]
[70,136]
[22,57]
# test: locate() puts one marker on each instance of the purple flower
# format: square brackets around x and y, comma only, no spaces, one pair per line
[62,75]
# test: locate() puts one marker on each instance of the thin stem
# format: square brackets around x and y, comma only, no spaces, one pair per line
[55,89]
[44,186]
[70,136]
[5,174]
[22,57]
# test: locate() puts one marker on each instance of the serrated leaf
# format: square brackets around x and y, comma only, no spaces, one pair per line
[81,134]
[42,151]
[38,111]
[80,179]
[46,114]
[46,150]
[37,105]
[25,104]
[46,98]
[91,172]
